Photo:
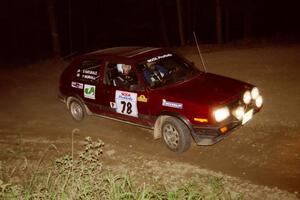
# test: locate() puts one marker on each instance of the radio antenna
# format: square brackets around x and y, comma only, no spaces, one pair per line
[203,64]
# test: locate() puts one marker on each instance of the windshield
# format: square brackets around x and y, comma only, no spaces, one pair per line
[166,69]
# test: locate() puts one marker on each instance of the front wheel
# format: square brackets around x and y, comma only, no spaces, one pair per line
[176,134]
[77,110]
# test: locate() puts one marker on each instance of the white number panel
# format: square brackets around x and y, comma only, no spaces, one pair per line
[126,103]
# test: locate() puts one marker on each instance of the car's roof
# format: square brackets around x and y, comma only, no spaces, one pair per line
[129,52]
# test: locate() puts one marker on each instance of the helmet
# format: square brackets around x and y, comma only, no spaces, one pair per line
[120,68]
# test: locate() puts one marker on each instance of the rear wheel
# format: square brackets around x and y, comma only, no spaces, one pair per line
[77,110]
[176,134]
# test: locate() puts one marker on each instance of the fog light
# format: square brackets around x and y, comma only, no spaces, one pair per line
[259,101]
[223,129]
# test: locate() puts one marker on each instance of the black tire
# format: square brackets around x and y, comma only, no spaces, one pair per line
[77,110]
[176,134]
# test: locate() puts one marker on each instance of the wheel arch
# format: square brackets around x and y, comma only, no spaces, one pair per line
[80,100]
[163,115]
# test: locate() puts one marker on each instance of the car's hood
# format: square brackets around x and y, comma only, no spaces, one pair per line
[205,89]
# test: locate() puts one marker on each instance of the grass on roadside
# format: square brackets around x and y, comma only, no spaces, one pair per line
[85,178]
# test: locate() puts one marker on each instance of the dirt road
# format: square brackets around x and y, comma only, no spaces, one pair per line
[266,151]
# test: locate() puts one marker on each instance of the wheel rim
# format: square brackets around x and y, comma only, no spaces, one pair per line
[171,136]
[76,111]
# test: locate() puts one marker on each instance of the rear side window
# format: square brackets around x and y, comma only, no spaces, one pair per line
[87,71]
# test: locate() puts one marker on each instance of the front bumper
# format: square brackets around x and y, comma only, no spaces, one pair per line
[210,135]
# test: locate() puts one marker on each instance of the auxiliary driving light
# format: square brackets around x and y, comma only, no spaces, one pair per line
[258,101]
[247,97]
[254,93]
[239,113]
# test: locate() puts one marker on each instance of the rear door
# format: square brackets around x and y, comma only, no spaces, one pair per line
[86,82]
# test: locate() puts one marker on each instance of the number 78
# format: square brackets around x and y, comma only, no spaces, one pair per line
[126,107]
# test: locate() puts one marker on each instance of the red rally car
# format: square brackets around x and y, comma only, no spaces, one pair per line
[158,89]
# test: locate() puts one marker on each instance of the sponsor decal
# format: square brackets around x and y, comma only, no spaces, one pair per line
[90,77]
[159,57]
[85,71]
[77,85]
[142,98]
[87,74]
[113,105]
[126,103]
[89,91]
[172,104]
[128,96]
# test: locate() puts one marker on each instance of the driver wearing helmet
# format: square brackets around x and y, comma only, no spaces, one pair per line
[154,72]
[124,77]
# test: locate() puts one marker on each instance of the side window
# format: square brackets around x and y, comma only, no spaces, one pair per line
[88,71]
[120,75]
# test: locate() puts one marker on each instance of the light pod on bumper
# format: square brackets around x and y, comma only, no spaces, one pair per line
[239,112]
[247,97]
[259,101]
[254,93]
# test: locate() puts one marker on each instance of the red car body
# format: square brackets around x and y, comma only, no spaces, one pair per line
[191,101]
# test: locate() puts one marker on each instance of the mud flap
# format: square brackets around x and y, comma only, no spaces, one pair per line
[157,127]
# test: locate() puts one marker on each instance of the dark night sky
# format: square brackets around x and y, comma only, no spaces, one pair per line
[25,29]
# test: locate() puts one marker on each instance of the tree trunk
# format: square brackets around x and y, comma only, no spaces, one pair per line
[162,23]
[248,23]
[70,27]
[218,22]
[180,25]
[189,24]
[227,24]
[53,28]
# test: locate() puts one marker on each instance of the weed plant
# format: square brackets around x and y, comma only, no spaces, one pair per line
[85,178]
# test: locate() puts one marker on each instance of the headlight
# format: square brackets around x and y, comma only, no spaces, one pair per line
[258,101]
[254,93]
[221,114]
[247,97]
[239,113]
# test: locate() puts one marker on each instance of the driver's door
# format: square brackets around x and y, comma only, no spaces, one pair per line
[126,102]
